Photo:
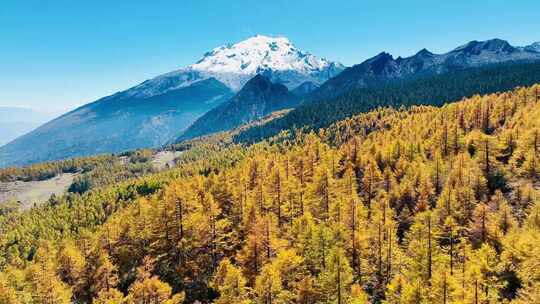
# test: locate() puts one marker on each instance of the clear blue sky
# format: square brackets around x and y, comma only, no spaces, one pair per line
[55,55]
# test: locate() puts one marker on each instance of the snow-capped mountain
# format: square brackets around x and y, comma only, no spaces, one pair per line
[158,110]
[274,57]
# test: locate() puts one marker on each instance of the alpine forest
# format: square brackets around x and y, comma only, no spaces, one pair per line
[417,204]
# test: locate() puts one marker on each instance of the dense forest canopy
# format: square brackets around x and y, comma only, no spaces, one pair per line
[417,205]
[418,90]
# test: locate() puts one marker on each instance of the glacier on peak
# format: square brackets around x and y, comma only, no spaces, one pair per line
[257,52]
[274,57]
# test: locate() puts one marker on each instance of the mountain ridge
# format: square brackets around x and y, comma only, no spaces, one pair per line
[384,67]
[115,124]
[258,98]
[160,109]
[434,89]
[275,57]
[157,110]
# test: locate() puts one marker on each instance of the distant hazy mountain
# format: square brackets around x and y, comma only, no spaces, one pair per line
[15,121]
[384,68]
[258,98]
[535,47]
[160,109]
[116,123]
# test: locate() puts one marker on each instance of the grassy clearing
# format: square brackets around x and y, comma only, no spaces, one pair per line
[35,192]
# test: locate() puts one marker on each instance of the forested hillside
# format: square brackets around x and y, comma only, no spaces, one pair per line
[92,171]
[257,99]
[417,205]
[422,89]
[158,110]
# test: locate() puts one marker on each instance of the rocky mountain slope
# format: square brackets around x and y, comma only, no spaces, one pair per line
[374,75]
[384,68]
[116,123]
[258,98]
[274,57]
[160,109]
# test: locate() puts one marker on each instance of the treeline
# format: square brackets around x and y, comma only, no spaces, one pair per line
[125,166]
[108,174]
[422,90]
[47,170]
[93,171]
[419,205]
[43,171]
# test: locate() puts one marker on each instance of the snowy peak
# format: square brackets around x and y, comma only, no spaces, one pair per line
[233,65]
[257,54]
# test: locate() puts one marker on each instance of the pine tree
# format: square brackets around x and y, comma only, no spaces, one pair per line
[336,279]
[370,183]
[230,283]
[104,275]
[149,289]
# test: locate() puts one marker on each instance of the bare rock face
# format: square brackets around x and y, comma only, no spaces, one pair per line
[384,67]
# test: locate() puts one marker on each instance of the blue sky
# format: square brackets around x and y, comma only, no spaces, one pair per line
[58,54]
